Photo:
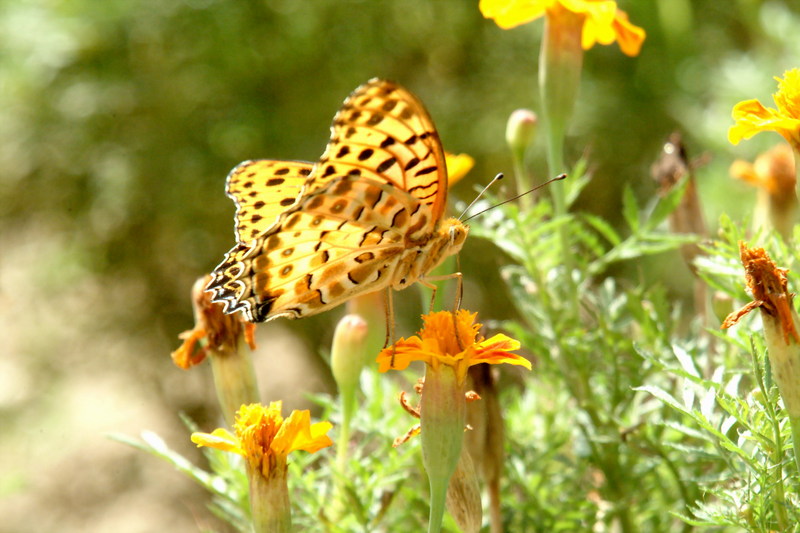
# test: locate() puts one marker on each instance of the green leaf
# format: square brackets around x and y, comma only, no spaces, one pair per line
[603,228]
[666,205]
[630,210]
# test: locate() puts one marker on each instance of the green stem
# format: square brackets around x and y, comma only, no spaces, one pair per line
[442,418]
[779,502]
[794,422]
[234,379]
[348,403]
[523,181]
[438,500]
[560,63]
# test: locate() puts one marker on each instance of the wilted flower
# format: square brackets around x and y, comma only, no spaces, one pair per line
[768,285]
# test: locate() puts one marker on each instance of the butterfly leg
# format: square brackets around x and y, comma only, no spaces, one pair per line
[389,308]
[459,293]
[459,288]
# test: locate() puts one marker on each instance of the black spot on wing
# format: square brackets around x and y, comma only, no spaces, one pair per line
[386,165]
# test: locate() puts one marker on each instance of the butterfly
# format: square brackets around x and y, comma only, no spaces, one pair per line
[368,215]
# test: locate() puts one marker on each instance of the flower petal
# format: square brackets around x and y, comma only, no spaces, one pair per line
[457,166]
[297,433]
[401,354]
[221,439]
[511,13]
[629,37]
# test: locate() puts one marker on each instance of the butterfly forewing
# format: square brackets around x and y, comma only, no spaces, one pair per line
[384,132]
[262,190]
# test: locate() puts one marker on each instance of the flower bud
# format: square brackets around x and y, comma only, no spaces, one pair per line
[520,130]
[348,354]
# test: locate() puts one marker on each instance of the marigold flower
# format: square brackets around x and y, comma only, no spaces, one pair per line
[773,173]
[214,331]
[601,21]
[752,117]
[771,296]
[449,343]
[437,344]
[265,438]
[220,336]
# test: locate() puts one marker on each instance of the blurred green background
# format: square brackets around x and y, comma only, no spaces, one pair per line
[119,121]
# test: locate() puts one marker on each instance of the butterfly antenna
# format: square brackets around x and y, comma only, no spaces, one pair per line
[496,178]
[548,182]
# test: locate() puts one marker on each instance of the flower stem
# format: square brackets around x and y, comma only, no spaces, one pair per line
[269,502]
[523,184]
[234,379]
[438,497]
[794,422]
[560,63]
[442,418]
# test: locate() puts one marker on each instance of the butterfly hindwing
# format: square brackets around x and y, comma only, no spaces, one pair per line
[337,242]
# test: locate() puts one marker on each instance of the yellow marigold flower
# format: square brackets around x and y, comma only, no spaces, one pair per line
[437,344]
[265,438]
[602,22]
[458,165]
[751,117]
[772,171]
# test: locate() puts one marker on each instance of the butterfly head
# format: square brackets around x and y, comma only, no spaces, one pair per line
[456,232]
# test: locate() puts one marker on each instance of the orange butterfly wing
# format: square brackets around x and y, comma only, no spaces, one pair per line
[383,132]
[378,191]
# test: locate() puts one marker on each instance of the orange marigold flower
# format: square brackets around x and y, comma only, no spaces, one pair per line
[265,438]
[772,171]
[439,344]
[751,117]
[214,331]
[602,22]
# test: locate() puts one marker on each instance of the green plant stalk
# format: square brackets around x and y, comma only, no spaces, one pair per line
[234,379]
[269,501]
[784,358]
[442,418]
[794,422]
[771,333]
[560,63]
[523,180]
